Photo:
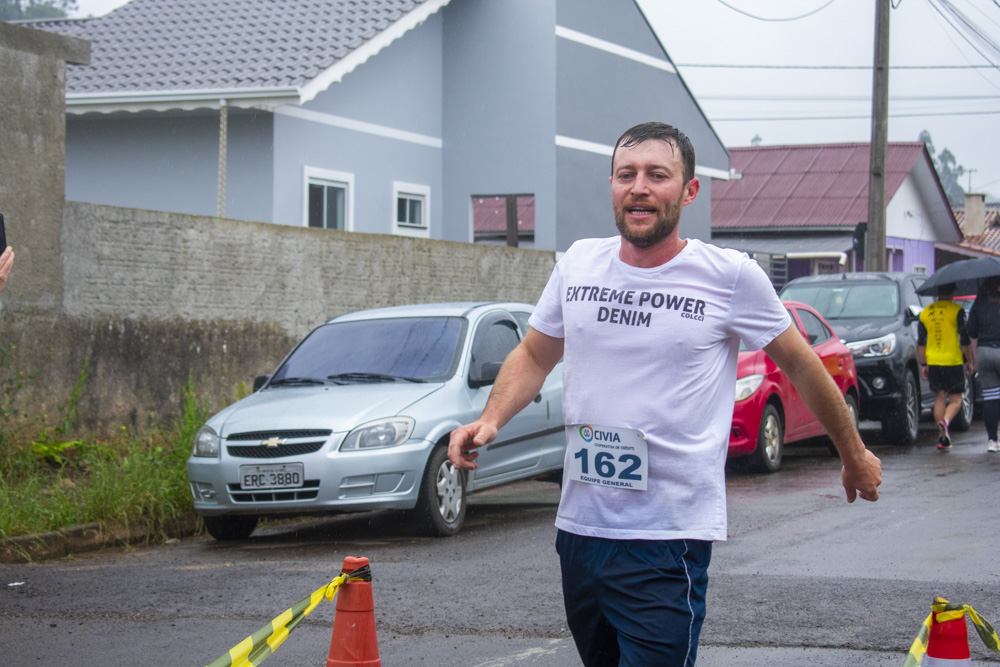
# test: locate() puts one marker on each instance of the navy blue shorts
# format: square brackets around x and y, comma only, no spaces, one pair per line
[634,603]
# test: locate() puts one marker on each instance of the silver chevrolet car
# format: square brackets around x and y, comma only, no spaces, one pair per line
[357,417]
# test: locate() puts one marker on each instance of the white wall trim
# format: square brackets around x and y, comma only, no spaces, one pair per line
[582,145]
[608,151]
[360,55]
[359,126]
[615,49]
[319,174]
[712,172]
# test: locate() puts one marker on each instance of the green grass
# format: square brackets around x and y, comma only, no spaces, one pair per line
[50,480]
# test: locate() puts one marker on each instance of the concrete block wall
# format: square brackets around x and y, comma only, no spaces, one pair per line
[32,136]
[152,299]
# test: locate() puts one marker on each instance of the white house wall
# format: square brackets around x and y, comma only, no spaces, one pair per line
[169,161]
[381,124]
[611,75]
[907,217]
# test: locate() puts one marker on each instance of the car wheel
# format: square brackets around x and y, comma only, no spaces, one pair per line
[237,527]
[440,508]
[852,407]
[902,426]
[963,420]
[770,441]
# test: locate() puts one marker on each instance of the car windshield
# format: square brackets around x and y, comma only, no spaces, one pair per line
[412,348]
[841,301]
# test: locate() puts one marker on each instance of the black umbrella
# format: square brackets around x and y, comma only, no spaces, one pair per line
[966,274]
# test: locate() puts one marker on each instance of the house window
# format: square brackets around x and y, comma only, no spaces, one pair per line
[826,267]
[504,220]
[411,213]
[329,199]
[409,210]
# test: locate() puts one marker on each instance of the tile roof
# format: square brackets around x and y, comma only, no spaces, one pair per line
[989,241]
[184,45]
[820,186]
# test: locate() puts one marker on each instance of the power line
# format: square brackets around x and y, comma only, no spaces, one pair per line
[764,18]
[968,27]
[833,67]
[847,98]
[855,117]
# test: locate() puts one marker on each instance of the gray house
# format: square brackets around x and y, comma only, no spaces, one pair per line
[382,116]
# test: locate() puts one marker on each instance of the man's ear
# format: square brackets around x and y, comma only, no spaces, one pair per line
[691,189]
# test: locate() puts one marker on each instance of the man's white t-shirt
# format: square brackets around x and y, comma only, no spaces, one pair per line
[654,352]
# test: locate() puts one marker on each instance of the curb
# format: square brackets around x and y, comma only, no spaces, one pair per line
[87,537]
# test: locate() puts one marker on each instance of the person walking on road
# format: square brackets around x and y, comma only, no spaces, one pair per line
[983,328]
[648,326]
[945,354]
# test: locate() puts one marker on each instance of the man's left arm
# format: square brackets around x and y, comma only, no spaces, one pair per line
[862,471]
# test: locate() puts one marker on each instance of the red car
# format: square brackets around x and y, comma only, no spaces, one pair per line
[769,411]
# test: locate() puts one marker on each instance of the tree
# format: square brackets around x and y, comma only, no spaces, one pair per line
[13,10]
[948,170]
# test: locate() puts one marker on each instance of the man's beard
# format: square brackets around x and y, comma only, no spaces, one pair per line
[666,222]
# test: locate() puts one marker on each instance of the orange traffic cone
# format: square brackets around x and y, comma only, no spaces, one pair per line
[354,643]
[948,643]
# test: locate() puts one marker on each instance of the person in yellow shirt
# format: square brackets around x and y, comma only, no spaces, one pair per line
[945,353]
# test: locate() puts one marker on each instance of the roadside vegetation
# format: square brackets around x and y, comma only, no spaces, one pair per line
[50,480]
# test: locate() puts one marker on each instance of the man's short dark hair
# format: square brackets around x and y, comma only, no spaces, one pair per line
[655,130]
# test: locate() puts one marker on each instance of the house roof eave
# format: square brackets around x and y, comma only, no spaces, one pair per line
[357,57]
[185,100]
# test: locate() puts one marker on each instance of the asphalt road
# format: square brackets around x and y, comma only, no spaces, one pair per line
[805,578]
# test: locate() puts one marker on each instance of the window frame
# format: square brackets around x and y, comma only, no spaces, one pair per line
[330,178]
[401,189]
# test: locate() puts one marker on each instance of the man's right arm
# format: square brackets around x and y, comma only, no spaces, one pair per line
[519,381]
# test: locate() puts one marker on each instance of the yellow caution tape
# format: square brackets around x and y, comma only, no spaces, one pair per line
[949,611]
[257,647]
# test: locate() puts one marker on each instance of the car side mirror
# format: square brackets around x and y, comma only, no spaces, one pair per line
[487,375]
[912,313]
[260,381]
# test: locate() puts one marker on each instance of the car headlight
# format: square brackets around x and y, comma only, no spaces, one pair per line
[746,386]
[874,347]
[206,443]
[380,433]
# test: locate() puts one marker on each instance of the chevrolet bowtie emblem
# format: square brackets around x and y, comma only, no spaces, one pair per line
[271,442]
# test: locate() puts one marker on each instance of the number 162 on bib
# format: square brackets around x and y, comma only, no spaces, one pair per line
[608,456]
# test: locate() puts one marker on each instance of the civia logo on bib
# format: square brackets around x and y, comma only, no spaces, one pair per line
[589,434]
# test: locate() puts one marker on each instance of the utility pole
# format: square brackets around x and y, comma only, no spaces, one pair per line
[875,246]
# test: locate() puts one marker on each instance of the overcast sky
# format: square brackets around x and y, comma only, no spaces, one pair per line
[959,107]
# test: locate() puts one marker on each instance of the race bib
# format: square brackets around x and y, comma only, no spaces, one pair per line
[607,456]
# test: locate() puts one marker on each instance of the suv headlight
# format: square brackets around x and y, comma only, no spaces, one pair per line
[377,434]
[874,347]
[746,386]
[206,443]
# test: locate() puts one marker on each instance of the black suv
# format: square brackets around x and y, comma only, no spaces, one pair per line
[876,314]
